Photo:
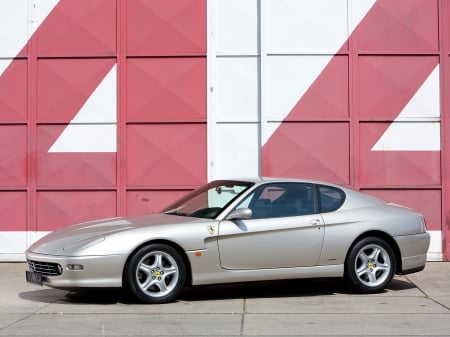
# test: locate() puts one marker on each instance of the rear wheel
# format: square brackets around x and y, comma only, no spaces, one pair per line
[156,274]
[370,265]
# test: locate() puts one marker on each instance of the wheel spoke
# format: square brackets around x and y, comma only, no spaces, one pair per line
[375,254]
[382,266]
[146,269]
[162,286]
[372,277]
[158,260]
[362,270]
[363,258]
[169,271]
[147,283]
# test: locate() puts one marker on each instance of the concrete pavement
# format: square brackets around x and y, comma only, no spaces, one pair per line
[413,305]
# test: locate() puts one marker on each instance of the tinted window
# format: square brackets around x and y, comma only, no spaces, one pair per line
[280,200]
[330,198]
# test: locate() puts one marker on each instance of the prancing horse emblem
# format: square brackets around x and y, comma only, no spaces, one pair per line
[211,229]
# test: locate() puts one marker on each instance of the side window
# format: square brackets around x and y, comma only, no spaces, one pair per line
[281,200]
[260,201]
[330,198]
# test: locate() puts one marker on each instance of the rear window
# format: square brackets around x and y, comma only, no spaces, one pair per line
[330,198]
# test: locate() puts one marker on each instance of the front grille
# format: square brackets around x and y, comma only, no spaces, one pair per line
[45,268]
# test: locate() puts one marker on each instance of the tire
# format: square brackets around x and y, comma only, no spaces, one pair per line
[155,274]
[370,265]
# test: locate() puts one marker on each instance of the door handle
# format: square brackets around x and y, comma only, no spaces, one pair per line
[315,222]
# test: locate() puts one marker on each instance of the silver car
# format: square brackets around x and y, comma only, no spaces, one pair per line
[234,231]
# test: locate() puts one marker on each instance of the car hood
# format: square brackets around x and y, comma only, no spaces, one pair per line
[86,234]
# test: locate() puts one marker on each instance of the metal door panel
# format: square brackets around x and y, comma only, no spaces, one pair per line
[270,243]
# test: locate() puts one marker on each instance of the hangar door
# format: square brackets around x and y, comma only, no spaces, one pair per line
[102,111]
[352,92]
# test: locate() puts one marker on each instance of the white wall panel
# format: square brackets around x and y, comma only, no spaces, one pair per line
[425,104]
[424,111]
[19,19]
[14,243]
[234,81]
[94,127]
[41,9]
[4,63]
[306,26]
[237,92]
[288,79]
[237,26]
[435,250]
[404,136]
[357,10]
[13,27]
[235,154]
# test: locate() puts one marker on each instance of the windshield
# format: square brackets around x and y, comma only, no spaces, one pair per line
[208,201]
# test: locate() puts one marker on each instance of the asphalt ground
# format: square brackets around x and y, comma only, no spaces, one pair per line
[413,305]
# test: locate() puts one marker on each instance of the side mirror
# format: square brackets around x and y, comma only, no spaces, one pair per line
[240,213]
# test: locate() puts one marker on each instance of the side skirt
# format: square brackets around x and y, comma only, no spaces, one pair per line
[228,276]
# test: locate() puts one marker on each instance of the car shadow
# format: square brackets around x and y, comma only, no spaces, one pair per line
[97,296]
[280,288]
[262,289]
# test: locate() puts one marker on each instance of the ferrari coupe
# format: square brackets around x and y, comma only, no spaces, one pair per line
[238,231]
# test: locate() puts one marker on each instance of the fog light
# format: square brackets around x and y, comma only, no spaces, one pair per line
[75,267]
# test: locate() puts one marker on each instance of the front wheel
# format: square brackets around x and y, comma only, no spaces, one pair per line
[370,265]
[156,274]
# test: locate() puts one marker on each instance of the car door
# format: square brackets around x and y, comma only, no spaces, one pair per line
[284,231]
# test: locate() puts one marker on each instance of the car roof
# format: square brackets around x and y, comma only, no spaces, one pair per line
[263,180]
[285,179]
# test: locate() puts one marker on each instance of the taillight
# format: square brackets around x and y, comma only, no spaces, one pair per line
[424,227]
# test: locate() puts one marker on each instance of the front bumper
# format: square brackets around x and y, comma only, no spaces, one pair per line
[413,249]
[97,271]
